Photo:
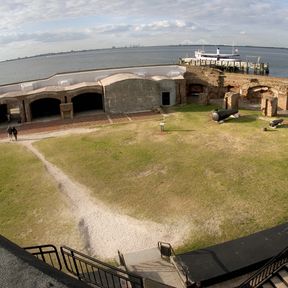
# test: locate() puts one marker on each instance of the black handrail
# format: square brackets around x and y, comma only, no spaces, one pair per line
[47,253]
[170,252]
[96,272]
[267,270]
[121,259]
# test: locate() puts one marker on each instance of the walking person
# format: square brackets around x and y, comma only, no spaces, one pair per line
[10,133]
[15,132]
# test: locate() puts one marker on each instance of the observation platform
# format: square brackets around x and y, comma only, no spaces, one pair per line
[234,258]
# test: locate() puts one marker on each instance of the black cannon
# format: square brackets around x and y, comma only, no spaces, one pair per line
[221,114]
[276,122]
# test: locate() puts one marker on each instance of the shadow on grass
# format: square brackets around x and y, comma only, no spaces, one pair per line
[179,130]
[209,108]
[23,138]
[244,119]
[283,126]
[270,130]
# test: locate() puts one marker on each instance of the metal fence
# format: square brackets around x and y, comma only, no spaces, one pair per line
[95,272]
[47,253]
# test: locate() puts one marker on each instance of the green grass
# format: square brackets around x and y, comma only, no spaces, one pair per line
[227,180]
[31,210]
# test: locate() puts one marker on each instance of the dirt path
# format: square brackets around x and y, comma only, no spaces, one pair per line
[103,230]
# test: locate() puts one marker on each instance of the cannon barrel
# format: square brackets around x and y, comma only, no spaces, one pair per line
[275,122]
[219,115]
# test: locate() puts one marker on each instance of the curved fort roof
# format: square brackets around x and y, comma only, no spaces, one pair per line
[70,81]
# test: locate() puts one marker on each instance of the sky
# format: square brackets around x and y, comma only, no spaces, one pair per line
[32,27]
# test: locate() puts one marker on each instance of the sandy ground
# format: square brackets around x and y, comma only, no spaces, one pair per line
[104,231]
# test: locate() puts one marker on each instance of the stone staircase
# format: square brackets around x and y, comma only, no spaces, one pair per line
[149,264]
[278,279]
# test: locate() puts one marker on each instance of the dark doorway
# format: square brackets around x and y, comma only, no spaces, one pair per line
[194,92]
[165,98]
[255,94]
[3,113]
[45,107]
[87,102]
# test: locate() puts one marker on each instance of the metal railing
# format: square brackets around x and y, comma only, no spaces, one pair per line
[167,250]
[122,259]
[47,253]
[95,272]
[267,270]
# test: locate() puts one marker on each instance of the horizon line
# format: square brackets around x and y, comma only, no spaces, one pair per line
[133,47]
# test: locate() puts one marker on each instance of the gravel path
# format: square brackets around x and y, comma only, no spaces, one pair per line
[103,230]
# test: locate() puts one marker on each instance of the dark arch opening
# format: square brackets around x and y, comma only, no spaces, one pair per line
[87,102]
[3,113]
[255,94]
[45,107]
[231,88]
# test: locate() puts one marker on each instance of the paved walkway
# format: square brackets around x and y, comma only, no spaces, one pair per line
[149,264]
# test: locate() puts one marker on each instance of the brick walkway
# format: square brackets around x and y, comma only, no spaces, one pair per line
[84,121]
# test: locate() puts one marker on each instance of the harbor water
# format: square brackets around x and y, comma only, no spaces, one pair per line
[27,69]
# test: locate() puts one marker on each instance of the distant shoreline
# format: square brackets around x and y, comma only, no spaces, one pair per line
[135,47]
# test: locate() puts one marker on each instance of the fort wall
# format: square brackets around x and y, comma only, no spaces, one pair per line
[250,87]
[135,89]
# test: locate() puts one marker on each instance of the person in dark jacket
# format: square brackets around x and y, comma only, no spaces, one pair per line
[10,133]
[15,132]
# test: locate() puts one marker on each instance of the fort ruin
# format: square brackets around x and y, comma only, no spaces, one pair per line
[136,89]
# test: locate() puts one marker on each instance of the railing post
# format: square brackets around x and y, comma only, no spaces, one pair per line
[75,264]
[142,282]
[41,253]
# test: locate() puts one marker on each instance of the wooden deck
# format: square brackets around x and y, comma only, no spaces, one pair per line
[229,66]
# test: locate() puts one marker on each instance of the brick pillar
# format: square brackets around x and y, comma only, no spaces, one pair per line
[231,100]
[21,106]
[27,110]
[269,106]
[66,110]
[181,93]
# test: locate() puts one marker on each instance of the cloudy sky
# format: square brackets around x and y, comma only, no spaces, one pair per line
[30,27]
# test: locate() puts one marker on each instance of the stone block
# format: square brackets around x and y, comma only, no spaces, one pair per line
[27,87]
[66,110]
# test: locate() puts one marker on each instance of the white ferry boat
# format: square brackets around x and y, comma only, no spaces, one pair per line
[226,62]
[202,55]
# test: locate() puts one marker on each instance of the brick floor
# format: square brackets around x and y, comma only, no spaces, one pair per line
[84,121]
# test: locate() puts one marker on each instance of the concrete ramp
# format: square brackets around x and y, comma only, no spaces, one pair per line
[149,264]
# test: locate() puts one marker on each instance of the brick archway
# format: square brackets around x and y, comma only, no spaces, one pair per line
[45,107]
[255,94]
[87,101]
